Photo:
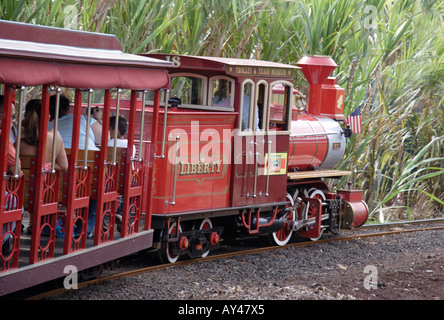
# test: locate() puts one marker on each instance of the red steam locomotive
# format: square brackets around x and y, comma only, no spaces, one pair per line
[243,153]
[222,148]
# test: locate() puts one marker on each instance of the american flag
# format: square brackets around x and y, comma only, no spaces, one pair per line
[354,120]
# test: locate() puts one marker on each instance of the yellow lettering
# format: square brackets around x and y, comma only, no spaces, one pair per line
[183,168]
[263,71]
[244,70]
[199,168]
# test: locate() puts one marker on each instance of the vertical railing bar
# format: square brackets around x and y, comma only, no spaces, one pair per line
[19,131]
[173,201]
[56,127]
[167,95]
[268,169]
[88,120]
[141,125]
[116,127]
[256,156]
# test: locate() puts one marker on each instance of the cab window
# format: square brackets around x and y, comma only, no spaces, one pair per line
[189,89]
[246,104]
[261,101]
[221,92]
[279,106]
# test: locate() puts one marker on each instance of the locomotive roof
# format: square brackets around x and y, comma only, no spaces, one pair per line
[229,65]
[73,58]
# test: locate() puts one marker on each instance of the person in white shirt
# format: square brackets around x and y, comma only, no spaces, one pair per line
[122,127]
[65,128]
[65,125]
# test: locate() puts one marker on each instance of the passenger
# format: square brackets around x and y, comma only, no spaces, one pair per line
[11,148]
[97,114]
[29,144]
[30,141]
[65,124]
[65,127]
[246,113]
[8,240]
[13,131]
[218,97]
[222,96]
[122,127]
[96,126]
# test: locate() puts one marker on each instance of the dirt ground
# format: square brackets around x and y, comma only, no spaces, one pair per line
[397,267]
[411,276]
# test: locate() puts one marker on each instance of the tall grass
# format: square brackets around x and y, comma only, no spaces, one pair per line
[390,56]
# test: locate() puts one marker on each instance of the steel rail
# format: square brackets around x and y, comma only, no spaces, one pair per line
[136,272]
[386,224]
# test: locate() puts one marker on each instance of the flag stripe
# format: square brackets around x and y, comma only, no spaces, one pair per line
[354,120]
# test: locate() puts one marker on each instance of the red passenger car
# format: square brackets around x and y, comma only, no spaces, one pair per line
[38,62]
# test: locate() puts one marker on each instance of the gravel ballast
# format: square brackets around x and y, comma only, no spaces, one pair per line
[395,267]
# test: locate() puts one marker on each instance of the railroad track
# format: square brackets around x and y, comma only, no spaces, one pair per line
[227,255]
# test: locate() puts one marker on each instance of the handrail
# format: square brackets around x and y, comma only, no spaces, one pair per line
[141,125]
[19,131]
[313,134]
[256,155]
[116,127]
[56,128]
[267,193]
[88,119]
[165,115]
[173,201]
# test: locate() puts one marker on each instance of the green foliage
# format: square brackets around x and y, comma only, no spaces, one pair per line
[390,56]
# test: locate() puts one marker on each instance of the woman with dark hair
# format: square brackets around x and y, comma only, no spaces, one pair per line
[29,144]
[30,141]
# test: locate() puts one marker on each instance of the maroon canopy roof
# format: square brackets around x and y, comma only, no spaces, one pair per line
[31,63]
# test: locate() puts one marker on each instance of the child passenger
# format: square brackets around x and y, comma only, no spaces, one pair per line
[122,127]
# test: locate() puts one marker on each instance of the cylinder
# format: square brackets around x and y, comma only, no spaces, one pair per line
[354,211]
[274,227]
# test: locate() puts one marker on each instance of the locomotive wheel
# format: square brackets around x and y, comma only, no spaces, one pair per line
[166,252]
[206,224]
[315,194]
[283,236]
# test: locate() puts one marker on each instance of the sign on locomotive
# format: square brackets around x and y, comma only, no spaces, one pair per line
[208,149]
